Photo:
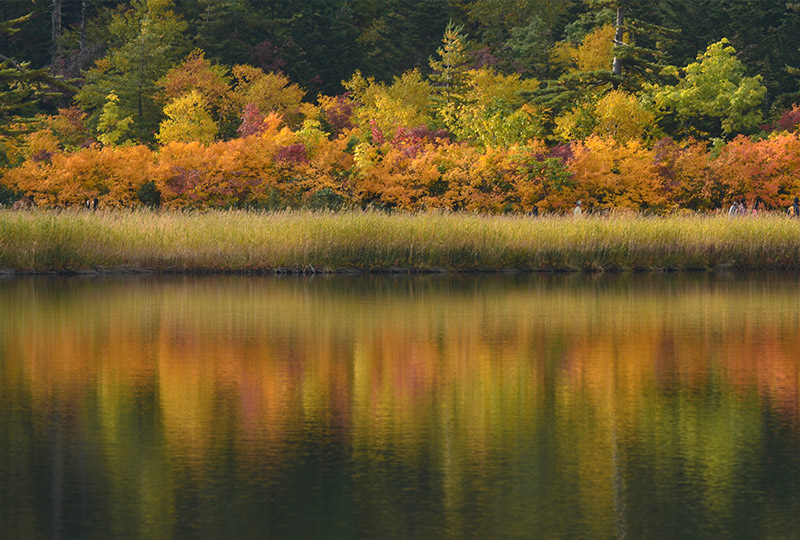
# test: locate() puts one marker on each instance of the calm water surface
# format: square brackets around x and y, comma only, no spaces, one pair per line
[537,406]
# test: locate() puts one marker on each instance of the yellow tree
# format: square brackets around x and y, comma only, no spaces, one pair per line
[197,73]
[618,115]
[187,120]
[270,92]
[449,71]
[493,111]
[404,103]
[113,128]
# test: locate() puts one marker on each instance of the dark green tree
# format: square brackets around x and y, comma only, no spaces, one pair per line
[639,55]
[419,22]
[227,30]
[22,88]
[529,48]
[520,33]
[31,42]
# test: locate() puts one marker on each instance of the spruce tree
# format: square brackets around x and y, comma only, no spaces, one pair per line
[639,58]
[23,88]
[449,71]
[148,40]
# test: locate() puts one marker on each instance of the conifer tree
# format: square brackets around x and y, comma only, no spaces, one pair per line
[449,76]
[21,88]
[148,40]
[638,58]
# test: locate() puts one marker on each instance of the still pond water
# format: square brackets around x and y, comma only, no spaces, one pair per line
[530,406]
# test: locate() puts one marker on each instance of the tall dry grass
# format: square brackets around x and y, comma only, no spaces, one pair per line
[240,241]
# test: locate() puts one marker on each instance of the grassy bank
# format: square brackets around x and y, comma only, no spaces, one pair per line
[312,242]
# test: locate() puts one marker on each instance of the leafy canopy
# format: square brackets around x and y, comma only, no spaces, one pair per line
[713,95]
[187,120]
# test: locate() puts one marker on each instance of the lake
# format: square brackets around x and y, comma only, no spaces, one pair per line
[439,406]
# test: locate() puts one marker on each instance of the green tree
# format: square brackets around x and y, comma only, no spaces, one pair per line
[450,71]
[713,96]
[529,47]
[497,18]
[211,23]
[23,88]
[639,44]
[148,39]
[763,32]
[637,55]
[380,22]
[520,33]
[113,129]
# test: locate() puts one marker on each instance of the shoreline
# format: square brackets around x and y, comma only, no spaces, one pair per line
[299,272]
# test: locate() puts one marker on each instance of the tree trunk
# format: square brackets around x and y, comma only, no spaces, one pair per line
[55,19]
[616,65]
[82,43]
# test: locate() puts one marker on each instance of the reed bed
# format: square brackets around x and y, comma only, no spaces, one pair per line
[302,241]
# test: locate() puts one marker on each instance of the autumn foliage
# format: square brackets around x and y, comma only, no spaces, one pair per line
[240,137]
[413,168]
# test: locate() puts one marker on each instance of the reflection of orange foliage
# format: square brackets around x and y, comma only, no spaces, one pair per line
[400,365]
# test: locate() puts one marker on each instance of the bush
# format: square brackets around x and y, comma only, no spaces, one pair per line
[149,195]
[8,196]
[326,199]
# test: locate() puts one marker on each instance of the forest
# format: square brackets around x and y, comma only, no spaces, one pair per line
[496,106]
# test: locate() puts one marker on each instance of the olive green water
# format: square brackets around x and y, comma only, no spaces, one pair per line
[530,406]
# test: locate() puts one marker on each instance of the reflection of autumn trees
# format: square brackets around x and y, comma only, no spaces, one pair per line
[326,348]
[598,372]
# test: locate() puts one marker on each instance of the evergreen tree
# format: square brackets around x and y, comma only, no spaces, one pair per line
[638,57]
[449,71]
[520,33]
[22,88]
[530,46]
[420,24]
[226,30]
[31,41]
[148,40]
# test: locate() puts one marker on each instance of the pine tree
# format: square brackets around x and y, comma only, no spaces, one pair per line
[22,88]
[449,77]
[149,39]
[638,58]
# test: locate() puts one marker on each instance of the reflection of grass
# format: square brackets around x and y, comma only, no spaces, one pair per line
[306,241]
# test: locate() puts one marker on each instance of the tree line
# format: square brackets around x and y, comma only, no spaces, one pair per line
[530,84]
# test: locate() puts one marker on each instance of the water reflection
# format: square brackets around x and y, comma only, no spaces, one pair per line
[645,406]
